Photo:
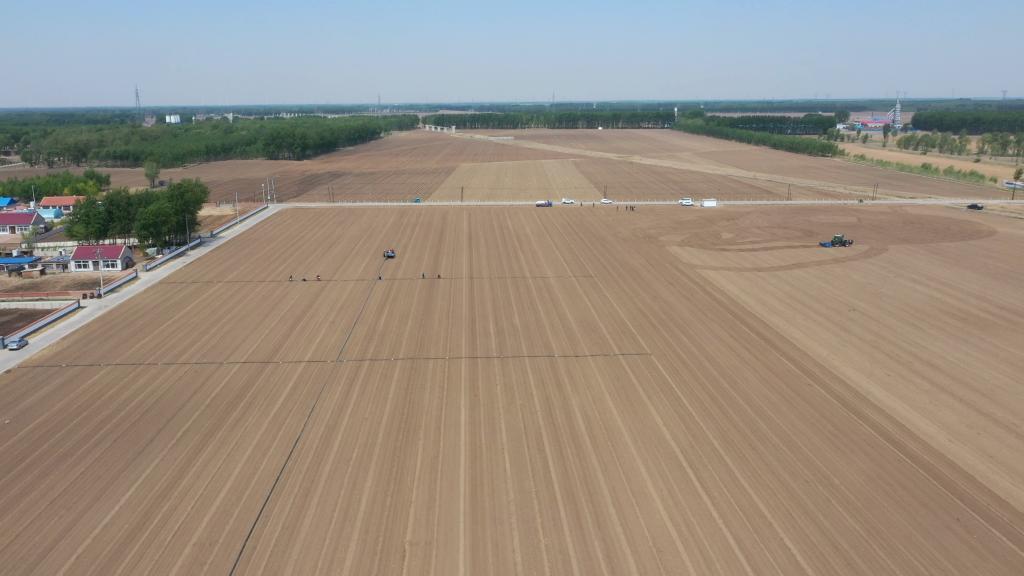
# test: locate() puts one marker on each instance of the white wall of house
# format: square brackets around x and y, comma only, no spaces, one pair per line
[94,265]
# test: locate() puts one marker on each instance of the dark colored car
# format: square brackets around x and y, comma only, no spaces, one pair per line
[975,207]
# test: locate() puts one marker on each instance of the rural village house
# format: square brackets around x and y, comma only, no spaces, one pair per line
[112,257]
[20,222]
[65,203]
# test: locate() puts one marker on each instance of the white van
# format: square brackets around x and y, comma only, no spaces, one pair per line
[708,203]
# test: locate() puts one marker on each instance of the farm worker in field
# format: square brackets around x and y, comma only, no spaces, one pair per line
[290,278]
[317,277]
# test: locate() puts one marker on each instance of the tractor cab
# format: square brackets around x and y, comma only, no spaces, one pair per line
[838,240]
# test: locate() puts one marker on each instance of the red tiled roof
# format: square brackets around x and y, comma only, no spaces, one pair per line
[17,218]
[107,252]
[59,201]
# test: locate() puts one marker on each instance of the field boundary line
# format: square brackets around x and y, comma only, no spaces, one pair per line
[370,359]
[932,200]
[302,432]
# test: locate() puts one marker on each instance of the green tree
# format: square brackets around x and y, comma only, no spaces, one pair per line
[963,143]
[101,180]
[122,212]
[155,223]
[187,198]
[89,221]
[842,116]
[1000,144]
[152,171]
[1018,173]
[886,131]
[87,188]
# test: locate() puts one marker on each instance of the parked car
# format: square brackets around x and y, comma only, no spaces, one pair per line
[975,207]
[17,344]
[686,202]
[568,201]
[606,201]
[543,203]
[708,203]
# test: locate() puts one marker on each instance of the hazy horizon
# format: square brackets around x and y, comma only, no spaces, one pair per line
[233,53]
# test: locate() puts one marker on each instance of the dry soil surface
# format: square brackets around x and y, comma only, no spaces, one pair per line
[11,319]
[526,391]
[539,164]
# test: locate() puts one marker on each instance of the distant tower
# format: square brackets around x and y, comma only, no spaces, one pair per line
[138,104]
[1004,94]
[894,115]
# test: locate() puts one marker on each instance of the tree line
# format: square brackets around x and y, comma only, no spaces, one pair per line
[991,143]
[927,169]
[131,145]
[973,121]
[64,183]
[166,217]
[797,144]
[567,119]
[808,124]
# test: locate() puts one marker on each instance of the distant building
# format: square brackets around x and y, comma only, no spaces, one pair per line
[20,222]
[111,257]
[65,203]
[16,263]
[56,264]
[173,119]
[7,203]
[51,214]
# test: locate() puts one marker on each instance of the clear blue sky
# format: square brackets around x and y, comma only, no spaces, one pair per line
[75,53]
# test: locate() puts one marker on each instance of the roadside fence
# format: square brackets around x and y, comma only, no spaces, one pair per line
[167,257]
[43,322]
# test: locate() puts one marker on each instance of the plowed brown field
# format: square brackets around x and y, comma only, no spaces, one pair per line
[699,166]
[551,164]
[525,391]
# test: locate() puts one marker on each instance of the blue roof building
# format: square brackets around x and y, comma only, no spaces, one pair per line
[49,214]
[7,202]
[8,263]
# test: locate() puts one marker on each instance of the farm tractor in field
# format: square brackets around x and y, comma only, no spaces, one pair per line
[389,253]
[837,241]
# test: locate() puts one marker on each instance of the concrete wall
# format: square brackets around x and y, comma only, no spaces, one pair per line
[35,305]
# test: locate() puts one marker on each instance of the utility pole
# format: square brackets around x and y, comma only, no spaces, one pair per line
[874,193]
[789,192]
[236,205]
[99,260]
[462,194]
[264,188]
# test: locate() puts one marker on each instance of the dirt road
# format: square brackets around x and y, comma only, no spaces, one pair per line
[582,391]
